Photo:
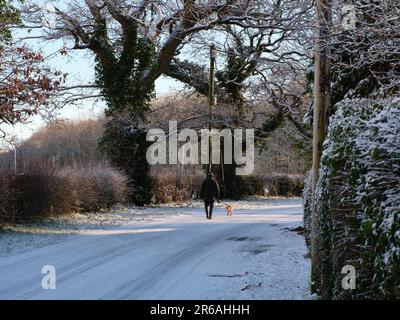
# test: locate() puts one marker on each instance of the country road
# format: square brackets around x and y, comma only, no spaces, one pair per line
[251,255]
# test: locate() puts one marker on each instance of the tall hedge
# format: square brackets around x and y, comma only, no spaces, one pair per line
[378,191]
[307,198]
[358,201]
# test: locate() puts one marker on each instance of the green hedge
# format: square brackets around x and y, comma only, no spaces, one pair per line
[276,185]
[379,195]
[307,208]
[358,201]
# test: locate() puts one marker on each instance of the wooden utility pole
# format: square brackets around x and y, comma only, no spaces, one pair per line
[322,79]
[15,160]
[211,99]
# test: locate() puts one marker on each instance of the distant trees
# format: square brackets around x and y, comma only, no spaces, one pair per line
[63,143]
[264,60]
[59,171]
[111,28]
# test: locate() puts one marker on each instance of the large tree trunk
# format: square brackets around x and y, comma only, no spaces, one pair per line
[321,106]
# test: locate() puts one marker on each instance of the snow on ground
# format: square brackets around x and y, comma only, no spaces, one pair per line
[169,252]
[17,238]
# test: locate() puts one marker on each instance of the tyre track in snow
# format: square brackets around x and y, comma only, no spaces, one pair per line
[196,251]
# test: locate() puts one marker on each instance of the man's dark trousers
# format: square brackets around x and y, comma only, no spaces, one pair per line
[209,205]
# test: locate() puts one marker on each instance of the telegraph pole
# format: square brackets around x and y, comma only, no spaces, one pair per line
[15,160]
[322,79]
[211,99]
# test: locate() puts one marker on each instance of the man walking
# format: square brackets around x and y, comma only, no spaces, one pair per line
[209,193]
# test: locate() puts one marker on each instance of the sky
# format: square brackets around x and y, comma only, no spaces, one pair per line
[80,68]
[79,64]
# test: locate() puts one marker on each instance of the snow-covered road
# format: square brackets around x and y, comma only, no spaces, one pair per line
[251,255]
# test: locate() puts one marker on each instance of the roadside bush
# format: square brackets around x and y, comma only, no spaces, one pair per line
[41,194]
[63,191]
[254,185]
[357,201]
[169,187]
[6,196]
[284,185]
[95,188]
[278,185]
[290,186]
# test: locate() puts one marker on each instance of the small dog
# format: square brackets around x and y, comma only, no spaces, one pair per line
[229,210]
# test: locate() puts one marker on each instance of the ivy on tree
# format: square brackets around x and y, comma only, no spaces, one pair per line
[124,139]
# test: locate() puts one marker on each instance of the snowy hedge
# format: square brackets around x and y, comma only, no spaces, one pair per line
[378,191]
[307,208]
[358,201]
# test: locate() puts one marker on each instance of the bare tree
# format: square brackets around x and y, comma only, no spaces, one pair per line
[365,43]
[101,26]
[256,40]
[134,43]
